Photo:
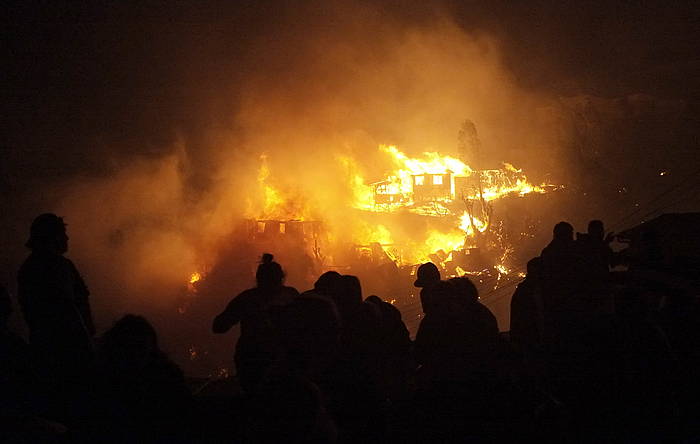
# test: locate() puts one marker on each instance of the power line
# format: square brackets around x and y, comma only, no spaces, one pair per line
[672,203]
[681,184]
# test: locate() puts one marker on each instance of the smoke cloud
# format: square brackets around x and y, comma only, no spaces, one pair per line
[147,132]
[329,83]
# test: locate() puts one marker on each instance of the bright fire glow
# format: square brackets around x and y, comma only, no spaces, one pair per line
[399,189]
[192,282]
[501,269]
[431,185]
[196,277]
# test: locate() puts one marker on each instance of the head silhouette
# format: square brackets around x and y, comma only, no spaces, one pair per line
[348,298]
[563,231]
[269,273]
[310,326]
[427,275]
[596,230]
[48,234]
[328,283]
[130,342]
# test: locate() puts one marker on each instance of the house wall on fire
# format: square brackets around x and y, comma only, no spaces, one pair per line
[385,195]
[269,228]
[432,187]
[426,188]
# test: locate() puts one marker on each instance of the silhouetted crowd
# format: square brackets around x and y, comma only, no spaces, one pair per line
[592,355]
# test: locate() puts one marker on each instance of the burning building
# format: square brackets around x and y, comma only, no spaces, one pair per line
[448,205]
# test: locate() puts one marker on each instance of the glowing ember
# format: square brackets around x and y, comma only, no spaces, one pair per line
[221,373]
[196,277]
[501,269]
[192,283]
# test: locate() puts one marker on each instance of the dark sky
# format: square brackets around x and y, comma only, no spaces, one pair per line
[87,86]
[77,75]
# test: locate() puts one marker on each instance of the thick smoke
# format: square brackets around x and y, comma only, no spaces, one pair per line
[146,132]
[332,84]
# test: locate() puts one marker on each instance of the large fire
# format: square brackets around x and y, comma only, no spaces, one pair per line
[433,186]
[412,183]
[430,208]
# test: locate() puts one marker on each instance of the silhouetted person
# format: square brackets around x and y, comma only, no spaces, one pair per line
[526,314]
[560,270]
[394,358]
[258,343]
[467,298]
[458,336]
[596,257]
[20,403]
[54,300]
[15,365]
[366,337]
[328,284]
[289,406]
[345,291]
[359,322]
[427,276]
[310,333]
[601,243]
[140,393]
[456,347]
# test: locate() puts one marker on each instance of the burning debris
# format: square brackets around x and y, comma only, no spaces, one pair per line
[431,208]
[191,291]
[445,187]
[431,185]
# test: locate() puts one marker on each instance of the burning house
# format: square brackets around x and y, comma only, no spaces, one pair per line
[432,208]
[433,187]
[270,229]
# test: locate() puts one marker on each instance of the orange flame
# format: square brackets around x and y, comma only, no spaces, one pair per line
[430,185]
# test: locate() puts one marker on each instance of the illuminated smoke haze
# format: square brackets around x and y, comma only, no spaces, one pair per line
[147,134]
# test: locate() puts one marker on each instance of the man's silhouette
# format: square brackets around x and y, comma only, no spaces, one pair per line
[526,315]
[54,300]
[20,401]
[427,277]
[596,257]
[560,269]
[140,394]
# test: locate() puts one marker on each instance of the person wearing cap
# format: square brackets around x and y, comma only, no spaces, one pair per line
[427,277]
[55,304]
